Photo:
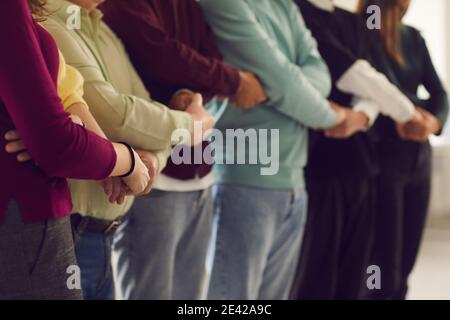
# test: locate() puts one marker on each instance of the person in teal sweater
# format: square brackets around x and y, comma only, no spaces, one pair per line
[262,212]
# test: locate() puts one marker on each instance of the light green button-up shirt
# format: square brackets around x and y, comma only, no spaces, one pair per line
[116,97]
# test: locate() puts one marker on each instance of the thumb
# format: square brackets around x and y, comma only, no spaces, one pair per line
[197,100]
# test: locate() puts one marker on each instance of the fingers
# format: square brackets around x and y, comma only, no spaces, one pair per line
[148,189]
[401,131]
[413,131]
[116,190]
[250,93]
[121,197]
[197,100]
[108,186]
[12,135]
[15,146]
[338,133]
[23,157]
[181,100]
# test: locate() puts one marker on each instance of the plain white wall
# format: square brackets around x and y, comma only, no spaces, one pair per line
[431,18]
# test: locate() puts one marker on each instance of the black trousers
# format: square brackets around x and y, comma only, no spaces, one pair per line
[402,205]
[338,237]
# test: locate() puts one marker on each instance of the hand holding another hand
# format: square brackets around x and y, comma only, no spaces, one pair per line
[116,189]
[341,112]
[199,116]
[353,122]
[151,162]
[15,143]
[181,100]
[420,127]
[138,180]
[250,93]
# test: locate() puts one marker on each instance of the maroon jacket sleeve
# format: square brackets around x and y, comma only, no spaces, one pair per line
[59,147]
[166,58]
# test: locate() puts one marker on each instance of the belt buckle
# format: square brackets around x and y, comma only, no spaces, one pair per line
[112,227]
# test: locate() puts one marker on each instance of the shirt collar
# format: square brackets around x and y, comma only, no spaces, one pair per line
[326,5]
[61,8]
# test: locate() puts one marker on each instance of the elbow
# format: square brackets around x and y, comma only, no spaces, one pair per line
[51,167]
[55,164]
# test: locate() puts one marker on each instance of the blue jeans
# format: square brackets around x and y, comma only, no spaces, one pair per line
[94,259]
[258,242]
[161,247]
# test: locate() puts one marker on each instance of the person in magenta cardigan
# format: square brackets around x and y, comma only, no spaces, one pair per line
[36,246]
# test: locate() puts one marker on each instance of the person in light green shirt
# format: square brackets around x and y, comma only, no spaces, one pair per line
[262,216]
[123,108]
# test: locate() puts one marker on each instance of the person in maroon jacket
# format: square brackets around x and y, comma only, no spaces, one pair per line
[173,49]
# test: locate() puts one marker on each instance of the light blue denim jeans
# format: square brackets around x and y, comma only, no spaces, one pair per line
[161,247]
[258,242]
[93,252]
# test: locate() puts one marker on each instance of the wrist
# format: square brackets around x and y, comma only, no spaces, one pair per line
[132,162]
[435,125]
[363,119]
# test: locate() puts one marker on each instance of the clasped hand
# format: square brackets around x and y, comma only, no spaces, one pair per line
[420,127]
[349,122]
[139,182]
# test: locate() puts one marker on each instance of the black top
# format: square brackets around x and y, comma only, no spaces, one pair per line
[416,70]
[342,41]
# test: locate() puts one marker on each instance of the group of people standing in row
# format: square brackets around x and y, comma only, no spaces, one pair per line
[98,104]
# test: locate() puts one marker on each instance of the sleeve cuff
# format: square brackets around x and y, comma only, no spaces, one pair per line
[183,120]
[330,117]
[365,82]
[368,107]
[356,74]
[74,98]
[163,157]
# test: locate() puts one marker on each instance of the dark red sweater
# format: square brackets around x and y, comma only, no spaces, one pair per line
[172,47]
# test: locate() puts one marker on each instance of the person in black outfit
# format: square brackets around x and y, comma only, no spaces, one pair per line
[403,187]
[343,165]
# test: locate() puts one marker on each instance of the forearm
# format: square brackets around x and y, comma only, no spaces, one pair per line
[363,81]
[146,125]
[163,157]
[368,107]
[123,162]
[247,44]
[82,111]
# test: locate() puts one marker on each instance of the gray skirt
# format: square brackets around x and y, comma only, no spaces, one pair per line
[35,257]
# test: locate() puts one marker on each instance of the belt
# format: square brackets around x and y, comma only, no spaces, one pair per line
[87,224]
